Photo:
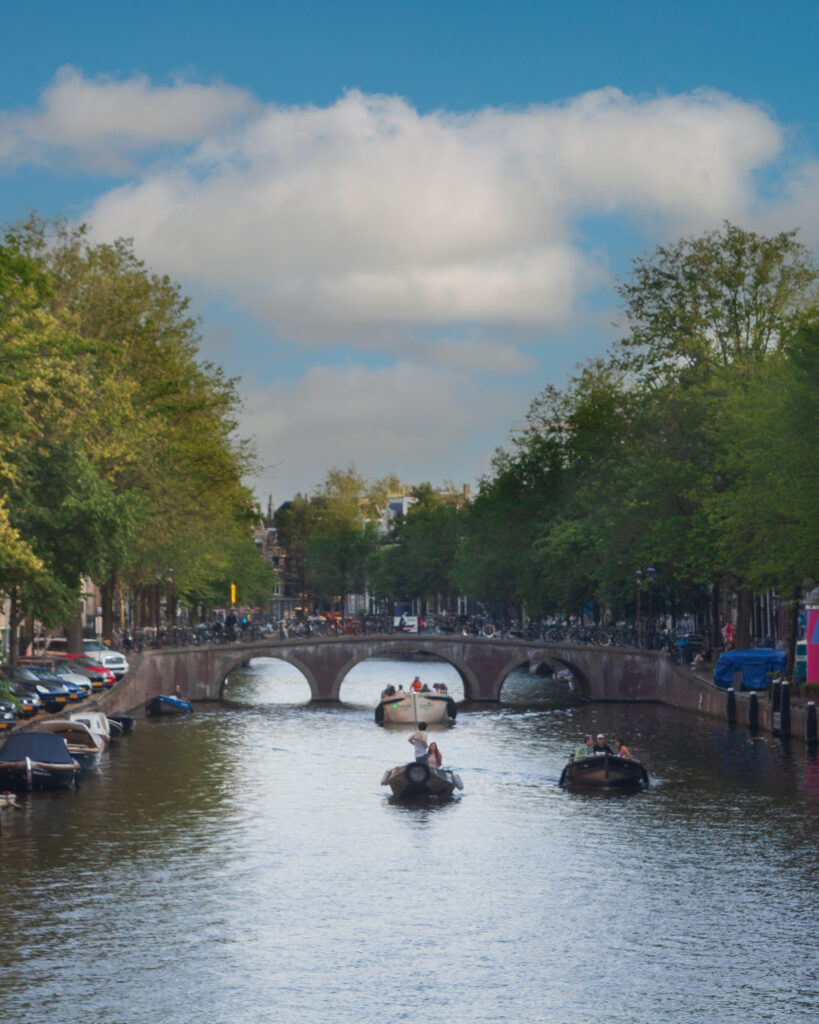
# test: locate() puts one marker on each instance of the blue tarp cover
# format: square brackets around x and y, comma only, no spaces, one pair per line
[754,664]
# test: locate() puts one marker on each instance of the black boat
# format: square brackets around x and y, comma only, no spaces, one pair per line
[37,760]
[604,771]
[416,780]
[127,722]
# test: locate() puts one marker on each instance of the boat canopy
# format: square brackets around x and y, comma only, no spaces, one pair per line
[754,664]
[39,746]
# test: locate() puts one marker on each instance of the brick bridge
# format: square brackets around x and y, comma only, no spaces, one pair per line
[600,673]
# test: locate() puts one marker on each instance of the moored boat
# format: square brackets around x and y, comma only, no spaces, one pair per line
[96,722]
[30,761]
[604,771]
[126,722]
[417,780]
[82,744]
[166,704]
[410,706]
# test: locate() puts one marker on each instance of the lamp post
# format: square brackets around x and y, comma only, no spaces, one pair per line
[158,601]
[639,577]
[651,572]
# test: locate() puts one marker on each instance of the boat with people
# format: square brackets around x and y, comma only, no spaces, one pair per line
[37,760]
[168,704]
[418,780]
[405,707]
[604,771]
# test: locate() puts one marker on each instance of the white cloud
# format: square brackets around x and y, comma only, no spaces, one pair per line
[97,124]
[365,219]
[422,422]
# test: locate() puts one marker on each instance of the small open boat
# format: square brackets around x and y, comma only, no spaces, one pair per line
[418,780]
[83,745]
[604,771]
[408,707]
[31,761]
[166,704]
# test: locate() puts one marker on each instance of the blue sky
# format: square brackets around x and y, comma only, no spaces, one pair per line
[400,221]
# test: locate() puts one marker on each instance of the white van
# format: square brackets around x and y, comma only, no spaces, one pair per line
[112,660]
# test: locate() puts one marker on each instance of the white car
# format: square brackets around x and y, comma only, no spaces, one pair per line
[112,660]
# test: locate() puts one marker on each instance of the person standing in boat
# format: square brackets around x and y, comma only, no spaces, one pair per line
[600,745]
[417,684]
[434,756]
[419,742]
[585,748]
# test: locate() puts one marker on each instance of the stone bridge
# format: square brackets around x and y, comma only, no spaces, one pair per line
[599,673]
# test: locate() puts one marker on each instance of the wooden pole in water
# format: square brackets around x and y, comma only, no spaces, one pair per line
[753,712]
[776,707]
[785,714]
[731,707]
[810,726]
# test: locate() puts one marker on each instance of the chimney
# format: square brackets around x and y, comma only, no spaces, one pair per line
[466,492]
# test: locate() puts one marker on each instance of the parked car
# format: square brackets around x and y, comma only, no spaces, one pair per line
[95,649]
[28,703]
[53,697]
[99,675]
[77,689]
[65,668]
[8,715]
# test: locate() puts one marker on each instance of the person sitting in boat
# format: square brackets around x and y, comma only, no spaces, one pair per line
[425,689]
[416,684]
[622,749]
[600,745]
[419,742]
[388,691]
[434,756]
[584,749]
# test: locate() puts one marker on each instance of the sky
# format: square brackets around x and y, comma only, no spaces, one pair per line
[399,222]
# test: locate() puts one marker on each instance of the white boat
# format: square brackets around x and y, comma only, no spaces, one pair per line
[95,722]
[411,706]
[417,780]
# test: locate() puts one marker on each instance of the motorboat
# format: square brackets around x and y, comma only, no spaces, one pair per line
[418,780]
[410,706]
[127,722]
[96,722]
[82,744]
[32,760]
[166,704]
[604,771]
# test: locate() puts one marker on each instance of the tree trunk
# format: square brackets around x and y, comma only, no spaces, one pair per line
[793,630]
[745,608]
[13,646]
[74,635]
[107,591]
[716,639]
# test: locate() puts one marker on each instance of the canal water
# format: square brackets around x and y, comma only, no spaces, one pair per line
[243,865]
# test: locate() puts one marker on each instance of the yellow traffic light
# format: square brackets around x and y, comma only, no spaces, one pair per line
[233,593]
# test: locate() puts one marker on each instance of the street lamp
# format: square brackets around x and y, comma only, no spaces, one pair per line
[170,598]
[639,577]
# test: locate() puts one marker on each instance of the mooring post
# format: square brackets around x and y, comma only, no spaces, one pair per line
[785,712]
[776,707]
[810,727]
[731,707]
[753,712]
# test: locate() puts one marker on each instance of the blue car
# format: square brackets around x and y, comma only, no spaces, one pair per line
[53,697]
[76,690]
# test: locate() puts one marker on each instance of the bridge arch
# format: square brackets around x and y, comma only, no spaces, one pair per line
[466,675]
[307,677]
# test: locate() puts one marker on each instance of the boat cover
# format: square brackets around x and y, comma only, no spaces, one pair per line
[39,746]
[754,663]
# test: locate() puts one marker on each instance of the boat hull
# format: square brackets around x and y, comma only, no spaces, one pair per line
[410,708]
[28,776]
[418,781]
[604,771]
[163,705]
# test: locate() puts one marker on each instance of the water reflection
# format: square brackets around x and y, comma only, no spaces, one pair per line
[244,864]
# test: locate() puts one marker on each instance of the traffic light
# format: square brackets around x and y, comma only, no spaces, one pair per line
[233,593]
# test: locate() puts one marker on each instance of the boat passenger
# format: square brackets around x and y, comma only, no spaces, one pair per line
[622,749]
[388,691]
[434,756]
[600,745]
[584,749]
[425,689]
[416,684]
[419,742]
